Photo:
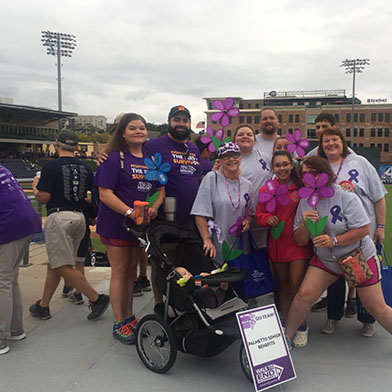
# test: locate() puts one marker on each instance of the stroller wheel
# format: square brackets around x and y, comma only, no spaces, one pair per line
[245,363]
[156,344]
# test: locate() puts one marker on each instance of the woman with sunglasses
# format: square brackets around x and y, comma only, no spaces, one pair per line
[223,206]
[347,228]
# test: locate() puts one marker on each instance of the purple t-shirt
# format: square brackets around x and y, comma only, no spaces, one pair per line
[184,175]
[128,184]
[17,216]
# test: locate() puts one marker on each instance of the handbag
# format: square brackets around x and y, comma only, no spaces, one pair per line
[259,280]
[386,281]
[354,267]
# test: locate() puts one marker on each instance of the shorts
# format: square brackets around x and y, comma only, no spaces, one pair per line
[63,232]
[84,246]
[373,262]
[119,243]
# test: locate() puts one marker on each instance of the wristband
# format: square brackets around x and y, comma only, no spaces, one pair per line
[335,241]
[380,226]
[128,212]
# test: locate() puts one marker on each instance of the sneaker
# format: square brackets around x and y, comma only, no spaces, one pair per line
[18,336]
[4,347]
[144,283]
[97,309]
[351,308]
[329,327]
[67,291]
[368,330]
[77,298]
[289,343]
[41,312]
[320,305]
[137,289]
[159,309]
[124,333]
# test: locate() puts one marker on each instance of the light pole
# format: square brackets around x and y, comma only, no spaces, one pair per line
[354,66]
[58,44]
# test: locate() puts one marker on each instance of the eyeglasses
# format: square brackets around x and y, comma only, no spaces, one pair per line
[285,165]
[226,157]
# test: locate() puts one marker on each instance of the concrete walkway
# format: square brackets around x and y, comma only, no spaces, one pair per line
[68,353]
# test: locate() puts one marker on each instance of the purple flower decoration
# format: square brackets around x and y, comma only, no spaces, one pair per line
[314,188]
[236,229]
[212,139]
[274,193]
[297,144]
[226,111]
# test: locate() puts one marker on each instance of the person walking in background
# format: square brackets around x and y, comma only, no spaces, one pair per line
[19,222]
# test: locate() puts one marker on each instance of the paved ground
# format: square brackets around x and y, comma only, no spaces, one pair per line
[68,353]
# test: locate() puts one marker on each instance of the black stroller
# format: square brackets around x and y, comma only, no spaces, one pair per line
[189,328]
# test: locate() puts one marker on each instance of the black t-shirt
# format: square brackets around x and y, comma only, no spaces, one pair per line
[67,179]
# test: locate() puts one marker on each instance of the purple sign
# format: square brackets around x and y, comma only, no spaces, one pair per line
[266,348]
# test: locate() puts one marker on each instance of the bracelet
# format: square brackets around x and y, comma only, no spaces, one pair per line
[335,241]
[380,226]
[128,212]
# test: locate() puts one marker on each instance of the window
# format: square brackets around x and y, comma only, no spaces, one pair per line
[257,119]
[311,118]
[355,132]
[372,145]
[256,131]
[297,118]
[386,147]
[348,133]
[387,117]
[229,132]
[291,130]
[373,132]
[311,134]
[337,117]
[280,118]
[249,106]
[214,122]
[348,117]
[380,117]
[361,132]
[360,144]
[361,117]
[355,145]
[241,106]
[249,119]
[386,132]
[257,105]
[290,118]
[379,146]
[241,119]
[379,132]
[373,117]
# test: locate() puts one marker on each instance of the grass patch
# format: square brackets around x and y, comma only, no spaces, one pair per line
[388,226]
[97,244]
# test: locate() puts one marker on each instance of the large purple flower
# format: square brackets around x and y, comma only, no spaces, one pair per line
[226,110]
[314,188]
[212,140]
[296,143]
[236,229]
[274,193]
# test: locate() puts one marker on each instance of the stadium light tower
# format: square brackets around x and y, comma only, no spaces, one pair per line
[354,66]
[58,44]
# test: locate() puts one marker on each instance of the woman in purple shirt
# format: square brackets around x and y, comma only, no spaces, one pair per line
[121,180]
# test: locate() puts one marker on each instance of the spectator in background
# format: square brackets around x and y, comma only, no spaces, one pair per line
[205,155]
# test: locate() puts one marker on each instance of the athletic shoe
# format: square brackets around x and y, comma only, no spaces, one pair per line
[4,347]
[320,306]
[159,309]
[18,336]
[98,307]
[124,333]
[351,308]
[77,298]
[41,312]
[137,289]
[368,330]
[67,291]
[329,327]
[144,283]
[289,343]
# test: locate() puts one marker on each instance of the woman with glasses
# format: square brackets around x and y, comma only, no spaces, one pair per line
[223,207]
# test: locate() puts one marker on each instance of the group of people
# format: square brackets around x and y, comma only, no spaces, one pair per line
[238,194]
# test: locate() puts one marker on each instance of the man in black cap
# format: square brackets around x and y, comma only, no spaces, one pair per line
[63,186]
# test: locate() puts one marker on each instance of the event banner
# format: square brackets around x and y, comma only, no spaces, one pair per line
[266,347]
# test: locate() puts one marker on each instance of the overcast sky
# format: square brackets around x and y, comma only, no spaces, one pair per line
[148,55]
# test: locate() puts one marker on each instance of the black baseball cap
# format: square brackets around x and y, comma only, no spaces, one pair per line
[68,137]
[179,109]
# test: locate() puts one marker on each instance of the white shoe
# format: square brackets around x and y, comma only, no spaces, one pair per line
[301,338]
[329,327]
[18,337]
[368,330]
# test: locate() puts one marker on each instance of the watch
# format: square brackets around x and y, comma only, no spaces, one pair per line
[129,212]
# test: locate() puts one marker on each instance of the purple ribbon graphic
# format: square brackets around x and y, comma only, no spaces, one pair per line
[247,199]
[335,211]
[263,164]
[353,175]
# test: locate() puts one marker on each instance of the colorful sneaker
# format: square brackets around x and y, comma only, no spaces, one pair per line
[77,298]
[124,333]
[41,312]
[329,327]
[351,308]
[67,291]
[144,283]
[4,347]
[289,343]
[320,306]
[137,289]
[368,330]
[98,307]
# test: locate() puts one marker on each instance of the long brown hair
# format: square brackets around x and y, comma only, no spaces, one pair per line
[320,165]
[117,142]
[332,131]
[295,177]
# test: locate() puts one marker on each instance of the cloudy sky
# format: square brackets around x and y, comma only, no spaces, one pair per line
[148,55]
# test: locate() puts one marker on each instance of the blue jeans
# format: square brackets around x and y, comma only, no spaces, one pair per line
[336,300]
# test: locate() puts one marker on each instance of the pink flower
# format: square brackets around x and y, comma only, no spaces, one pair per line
[273,194]
[297,144]
[314,188]
[226,111]
[210,138]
